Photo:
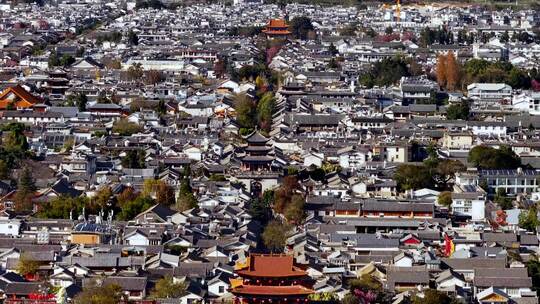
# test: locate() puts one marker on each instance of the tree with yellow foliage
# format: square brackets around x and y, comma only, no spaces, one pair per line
[452,71]
[441,70]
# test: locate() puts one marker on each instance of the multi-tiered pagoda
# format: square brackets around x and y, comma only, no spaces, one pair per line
[259,154]
[277,28]
[271,279]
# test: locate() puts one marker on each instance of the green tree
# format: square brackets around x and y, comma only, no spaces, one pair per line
[53,60]
[27,265]
[332,49]
[103,98]
[5,170]
[518,78]
[186,199]
[135,72]
[80,52]
[445,199]
[478,70]
[245,111]
[413,177]
[26,189]
[504,37]
[63,207]
[350,299]
[132,38]
[102,198]
[427,37]
[126,128]
[15,141]
[529,220]
[324,296]
[265,109]
[490,158]
[533,269]
[503,200]
[371,289]
[161,107]
[333,64]
[365,283]
[150,187]
[260,210]
[445,172]
[81,102]
[300,27]
[294,211]
[432,296]
[275,235]
[78,100]
[166,288]
[99,294]
[385,72]
[156,4]
[458,111]
[66,60]
[134,159]
[253,71]
[217,178]
[131,209]
[26,181]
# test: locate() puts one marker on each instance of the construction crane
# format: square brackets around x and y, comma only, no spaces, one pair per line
[398,10]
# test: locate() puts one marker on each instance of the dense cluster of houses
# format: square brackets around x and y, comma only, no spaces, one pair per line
[74,72]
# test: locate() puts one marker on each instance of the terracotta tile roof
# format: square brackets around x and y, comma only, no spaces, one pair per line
[276,32]
[271,266]
[277,23]
[272,290]
[26,99]
[277,27]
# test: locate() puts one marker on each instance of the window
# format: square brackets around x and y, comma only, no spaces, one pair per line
[221,289]
[513,291]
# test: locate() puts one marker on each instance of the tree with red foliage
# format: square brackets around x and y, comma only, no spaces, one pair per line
[388,37]
[535,85]
[500,219]
[271,52]
[283,195]
[407,36]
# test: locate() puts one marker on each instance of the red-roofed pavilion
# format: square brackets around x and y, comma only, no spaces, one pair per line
[277,28]
[271,279]
[17,97]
